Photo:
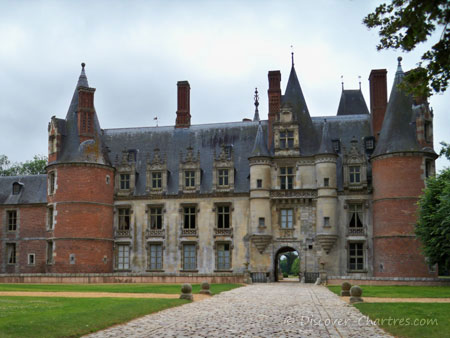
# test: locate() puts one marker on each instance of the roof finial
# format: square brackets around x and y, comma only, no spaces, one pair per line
[292,55]
[342,81]
[359,78]
[82,65]
[256,98]
[399,59]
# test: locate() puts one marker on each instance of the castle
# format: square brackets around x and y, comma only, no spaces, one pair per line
[227,199]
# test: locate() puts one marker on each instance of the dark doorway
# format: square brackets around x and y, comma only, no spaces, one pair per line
[287,262]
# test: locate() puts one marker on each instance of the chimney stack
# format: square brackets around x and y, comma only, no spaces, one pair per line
[378,99]
[274,94]
[183,111]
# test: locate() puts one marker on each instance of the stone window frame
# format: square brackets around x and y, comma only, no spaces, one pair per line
[285,177]
[182,246]
[11,253]
[224,161]
[189,179]
[124,181]
[429,169]
[8,219]
[287,209]
[49,250]
[156,180]
[117,247]
[286,139]
[327,222]
[118,230]
[354,159]
[50,217]
[223,177]
[216,211]
[428,131]
[52,182]
[216,256]
[286,122]
[259,183]
[183,213]
[354,174]
[261,222]
[364,256]
[33,261]
[148,210]
[148,252]
[350,213]
[190,162]
[156,165]
[326,181]
[127,166]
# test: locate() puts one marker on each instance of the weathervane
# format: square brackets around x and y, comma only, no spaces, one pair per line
[342,81]
[359,78]
[156,119]
[292,55]
[256,98]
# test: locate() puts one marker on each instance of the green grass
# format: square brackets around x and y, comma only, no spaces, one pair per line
[116,288]
[389,316]
[71,317]
[399,291]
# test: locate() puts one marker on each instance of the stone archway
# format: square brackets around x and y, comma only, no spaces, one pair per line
[277,256]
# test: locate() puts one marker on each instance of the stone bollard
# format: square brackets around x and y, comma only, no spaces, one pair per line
[345,289]
[355,294]
[318,281]
[205,289]
[186,292]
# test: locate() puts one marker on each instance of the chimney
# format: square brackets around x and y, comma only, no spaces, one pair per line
[274,94]
[378,99]
[183,110]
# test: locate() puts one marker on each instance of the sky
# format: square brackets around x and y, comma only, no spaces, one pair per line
[136,51]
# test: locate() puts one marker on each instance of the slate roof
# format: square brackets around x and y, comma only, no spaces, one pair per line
[33,190]
[260,146]
[206,139]
[294,98]
[352,103]
[326,147]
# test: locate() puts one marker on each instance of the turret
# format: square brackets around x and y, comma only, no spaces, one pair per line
[80,189]
[399,169]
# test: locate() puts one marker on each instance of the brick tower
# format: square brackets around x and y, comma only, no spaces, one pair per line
[402,160]
[80,190]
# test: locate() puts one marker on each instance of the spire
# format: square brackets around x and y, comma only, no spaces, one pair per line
[82,80]
[260,147]
[325,144]
[256,117]
[398,132]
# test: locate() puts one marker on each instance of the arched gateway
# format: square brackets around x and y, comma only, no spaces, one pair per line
[277,256]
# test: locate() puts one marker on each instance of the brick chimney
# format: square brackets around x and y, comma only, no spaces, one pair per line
[378,99]
[183,110]
[274,94]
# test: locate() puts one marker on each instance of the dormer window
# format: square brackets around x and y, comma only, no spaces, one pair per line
[223,177]
[336,145]
[369,143]
[156,173]
[428,130]
[156,180]
[16,188]
[355,174]
[189,172]
[223,169]
[124,181]
[189,179]
[125,178]
[286,139]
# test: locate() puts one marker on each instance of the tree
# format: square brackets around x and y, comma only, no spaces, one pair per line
[433,226]
[403,24]
[33,167]
[295,268]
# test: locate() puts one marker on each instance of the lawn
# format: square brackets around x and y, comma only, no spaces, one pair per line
[410,319]
[71,317]
[399,291]
[116,288]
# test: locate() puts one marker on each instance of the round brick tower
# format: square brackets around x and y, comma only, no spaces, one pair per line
[80,190]
[402,160]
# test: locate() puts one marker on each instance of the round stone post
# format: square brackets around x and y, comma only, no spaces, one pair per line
[205,288]
[355,294]
[186,292]
[345,289]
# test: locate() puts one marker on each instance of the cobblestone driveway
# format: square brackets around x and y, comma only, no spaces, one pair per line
[259,310]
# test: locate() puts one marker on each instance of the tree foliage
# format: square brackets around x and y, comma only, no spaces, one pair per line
[34,167]
[403,24]
[433,226]
[295,268]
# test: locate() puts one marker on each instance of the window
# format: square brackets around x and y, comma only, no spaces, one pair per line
[259,183]
[11,253]
[155,257]
[355,213]
[124,219]
[286,177]
[16,188]
[189,217]
[355,174]
[50,218]
[369,144]
[336,145]
[261,222]
[287,217]
[157,180]
[427,131]
[155,218]
[326,182]
[50,252]
[124,181]
[223,256]
[428,168]
[356,256]
[12,220]
[223,217]
[51,183]
[31,259]
[223,177]
[123,257]
[189,257]
[286,139]
[326,222]
[189,179]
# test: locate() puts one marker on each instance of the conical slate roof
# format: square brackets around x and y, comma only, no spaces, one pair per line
[326,146]
[398,132]
[352,103]
[294,97]
[73,150]
[260,147]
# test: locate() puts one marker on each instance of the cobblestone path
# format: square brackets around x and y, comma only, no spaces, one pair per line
[259,310]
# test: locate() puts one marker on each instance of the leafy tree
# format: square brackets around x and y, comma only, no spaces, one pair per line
[403,24]
[433,226]
[33,167]
[445,150]
[295,268]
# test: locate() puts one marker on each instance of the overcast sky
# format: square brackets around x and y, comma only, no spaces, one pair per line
[136,51]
